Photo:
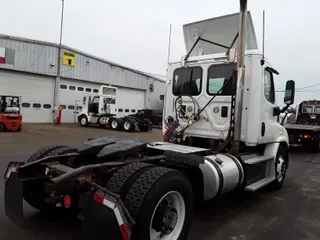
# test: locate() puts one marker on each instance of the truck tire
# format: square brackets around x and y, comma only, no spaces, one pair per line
[42,152]
[122,180]
[281,165]
[316,145]
[116,123]
[161,199]
[128,125]
[83,120]
[2,127]
[33,192]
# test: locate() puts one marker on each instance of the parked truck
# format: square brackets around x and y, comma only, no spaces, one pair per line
[100,109]
[304,128]
[222,135]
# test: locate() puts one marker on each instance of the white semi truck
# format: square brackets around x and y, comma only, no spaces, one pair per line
[101,109]
[221,134]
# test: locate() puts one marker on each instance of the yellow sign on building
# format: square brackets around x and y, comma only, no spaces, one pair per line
[69,58]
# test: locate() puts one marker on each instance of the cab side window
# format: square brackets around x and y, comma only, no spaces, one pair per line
[269,91]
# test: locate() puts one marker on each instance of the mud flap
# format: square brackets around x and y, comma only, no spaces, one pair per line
[13,198]
[104,219]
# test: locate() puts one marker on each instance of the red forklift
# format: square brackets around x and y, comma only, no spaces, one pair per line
[10,116]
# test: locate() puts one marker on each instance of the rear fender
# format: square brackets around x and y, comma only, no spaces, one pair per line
[106,218]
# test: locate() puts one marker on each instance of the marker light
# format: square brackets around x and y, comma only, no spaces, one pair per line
[67,201]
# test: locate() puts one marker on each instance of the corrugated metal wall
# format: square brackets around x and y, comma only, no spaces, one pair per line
[31,57]
[41,58]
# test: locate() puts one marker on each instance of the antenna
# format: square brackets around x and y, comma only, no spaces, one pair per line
[263,36]
[169,46]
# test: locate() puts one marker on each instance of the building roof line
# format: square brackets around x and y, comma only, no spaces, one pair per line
[45,43]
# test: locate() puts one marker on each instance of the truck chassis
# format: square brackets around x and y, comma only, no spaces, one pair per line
[118,185]
[126,123]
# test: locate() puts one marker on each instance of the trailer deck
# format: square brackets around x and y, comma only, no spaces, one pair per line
[302,127]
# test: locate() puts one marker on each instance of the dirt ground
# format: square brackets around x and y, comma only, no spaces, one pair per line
[33,137]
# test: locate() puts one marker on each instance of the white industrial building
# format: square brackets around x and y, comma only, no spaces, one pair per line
[28,68]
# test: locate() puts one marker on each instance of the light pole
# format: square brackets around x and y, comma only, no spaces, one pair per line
[57,82]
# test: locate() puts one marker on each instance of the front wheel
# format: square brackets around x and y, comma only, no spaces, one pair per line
[83,121]
[281,166]
[161,202]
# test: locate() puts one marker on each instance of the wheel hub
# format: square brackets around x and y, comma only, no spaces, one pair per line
[114,124]
[165,219]
[127,125]
[281,168]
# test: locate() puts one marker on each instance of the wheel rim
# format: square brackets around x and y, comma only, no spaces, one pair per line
[127,125]
[281,168]
[83,121]
[114,124]
[168,217]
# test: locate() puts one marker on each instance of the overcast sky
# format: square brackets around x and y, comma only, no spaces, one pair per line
[135,32]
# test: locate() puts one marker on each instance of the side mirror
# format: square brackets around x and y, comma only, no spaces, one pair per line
[289,92]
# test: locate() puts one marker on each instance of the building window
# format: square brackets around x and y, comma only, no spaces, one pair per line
[63,86]
[95,90]
[88,89]
[120,110]
[63,106]
[133,110]
[70,107]
[36,105]
[72,87]
[46,106]
[126,110]
[25,105]
[80,89]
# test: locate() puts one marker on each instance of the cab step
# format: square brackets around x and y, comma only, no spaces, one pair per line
[255,159]
[259,184]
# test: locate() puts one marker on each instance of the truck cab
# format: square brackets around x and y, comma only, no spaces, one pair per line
[97,106]
[206,82]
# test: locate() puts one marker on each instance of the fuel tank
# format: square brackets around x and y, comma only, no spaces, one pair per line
[222,173]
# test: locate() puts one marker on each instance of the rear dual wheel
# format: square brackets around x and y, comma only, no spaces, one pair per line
[128,125]
[159,199]
[116,123]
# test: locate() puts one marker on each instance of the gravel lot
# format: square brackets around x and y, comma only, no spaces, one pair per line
[289,214]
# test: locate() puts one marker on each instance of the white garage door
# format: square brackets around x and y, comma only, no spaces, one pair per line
[71,91]
[36,94]
[130,101]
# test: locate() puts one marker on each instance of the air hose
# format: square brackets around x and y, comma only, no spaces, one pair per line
[170,131]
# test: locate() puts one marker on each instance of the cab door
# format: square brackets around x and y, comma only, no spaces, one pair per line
[268,119]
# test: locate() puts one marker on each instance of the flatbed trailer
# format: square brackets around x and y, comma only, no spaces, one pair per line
[305,132]
[301,135]
[124,188]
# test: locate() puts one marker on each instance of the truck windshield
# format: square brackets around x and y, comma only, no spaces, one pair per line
[310,109]
[307,109]
[187,81]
